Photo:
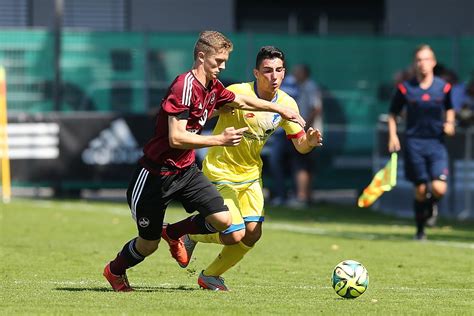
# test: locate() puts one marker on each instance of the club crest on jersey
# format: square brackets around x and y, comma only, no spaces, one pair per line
[213,98]
[249,115]
[143,222]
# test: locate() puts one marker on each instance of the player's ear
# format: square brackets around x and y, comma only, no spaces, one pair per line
[201,56]
[255,72]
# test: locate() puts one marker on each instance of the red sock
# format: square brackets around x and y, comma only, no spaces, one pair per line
[195,224]
[127,258]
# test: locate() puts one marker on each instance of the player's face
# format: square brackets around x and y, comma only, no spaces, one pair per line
[270,74]
[425,62]
[214,63]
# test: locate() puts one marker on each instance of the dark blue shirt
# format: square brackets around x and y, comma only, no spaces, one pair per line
[425,107]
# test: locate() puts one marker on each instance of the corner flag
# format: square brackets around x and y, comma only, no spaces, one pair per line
[5,162]
[384,180]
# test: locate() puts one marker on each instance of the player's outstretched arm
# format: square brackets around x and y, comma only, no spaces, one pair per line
[246,102]
[312,139]
[181,138]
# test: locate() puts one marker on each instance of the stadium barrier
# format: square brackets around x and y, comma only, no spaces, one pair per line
[74,152]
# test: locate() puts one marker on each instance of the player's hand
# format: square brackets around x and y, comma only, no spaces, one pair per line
[292,115]
[314,137]
[449,128]
[393,144]
[232,136]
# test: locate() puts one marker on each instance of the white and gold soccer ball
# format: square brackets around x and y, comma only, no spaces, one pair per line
[350,279]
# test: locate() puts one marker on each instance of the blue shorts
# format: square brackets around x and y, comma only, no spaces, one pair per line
[425,160]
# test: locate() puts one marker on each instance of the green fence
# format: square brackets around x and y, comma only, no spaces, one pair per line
[129,72]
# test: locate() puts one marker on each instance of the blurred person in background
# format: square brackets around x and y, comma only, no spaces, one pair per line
[465,115]
[279,152]
[237,171]
[458,89]
[429,116]
[311,109]
[167,171]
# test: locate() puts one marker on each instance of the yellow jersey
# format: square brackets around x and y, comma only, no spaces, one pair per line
[240,164]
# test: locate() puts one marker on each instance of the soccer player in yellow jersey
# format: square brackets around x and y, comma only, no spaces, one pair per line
[237,171]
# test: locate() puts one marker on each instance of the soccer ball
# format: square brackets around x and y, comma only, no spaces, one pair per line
[350,279]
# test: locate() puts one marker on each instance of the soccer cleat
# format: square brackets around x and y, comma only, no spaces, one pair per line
[189,245]
[178,249]
[212,283]
[420,236]
[118,282]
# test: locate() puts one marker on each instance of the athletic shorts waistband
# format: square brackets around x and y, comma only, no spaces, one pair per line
[163,170]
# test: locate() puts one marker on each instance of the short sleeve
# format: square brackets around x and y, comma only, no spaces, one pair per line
[292,129]
[178,98]
[448,101]
[398,100]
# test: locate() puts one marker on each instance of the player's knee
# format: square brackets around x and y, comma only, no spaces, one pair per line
[420,191]
[439,188]
[220,221]
[233,238]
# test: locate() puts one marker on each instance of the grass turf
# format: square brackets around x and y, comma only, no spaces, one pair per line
[53,253]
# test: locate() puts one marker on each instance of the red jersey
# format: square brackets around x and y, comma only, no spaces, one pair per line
[186,99]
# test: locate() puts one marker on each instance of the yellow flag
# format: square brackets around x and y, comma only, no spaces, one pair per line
[384,180]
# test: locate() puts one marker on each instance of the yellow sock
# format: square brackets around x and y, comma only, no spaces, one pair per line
[229,257]
[207,238]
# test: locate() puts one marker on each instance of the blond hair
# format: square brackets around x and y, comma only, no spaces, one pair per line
[212,42]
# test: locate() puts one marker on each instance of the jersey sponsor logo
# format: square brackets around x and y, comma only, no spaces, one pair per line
[32,141]
[425,97]
[143,222]
[267,124]
[203,118]
[114,145]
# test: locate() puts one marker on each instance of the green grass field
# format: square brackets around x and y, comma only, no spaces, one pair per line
[53,253]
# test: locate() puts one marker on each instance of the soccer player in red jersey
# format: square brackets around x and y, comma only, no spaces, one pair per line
[167,170]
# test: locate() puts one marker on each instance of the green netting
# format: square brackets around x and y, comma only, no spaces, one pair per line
[106,71]
[130,72]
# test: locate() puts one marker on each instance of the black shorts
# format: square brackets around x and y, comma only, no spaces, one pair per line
[148,196]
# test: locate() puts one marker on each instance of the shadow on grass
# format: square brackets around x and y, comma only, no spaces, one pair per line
[135,288]
[353,216]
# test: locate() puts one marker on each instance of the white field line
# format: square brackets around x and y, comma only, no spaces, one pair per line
[323,232]
[124,211]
